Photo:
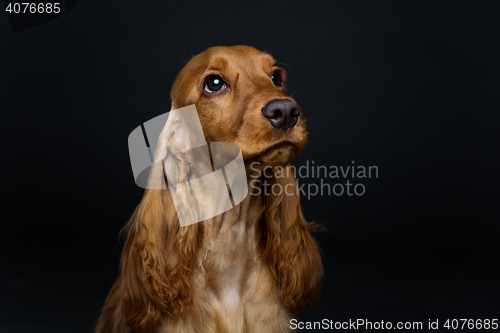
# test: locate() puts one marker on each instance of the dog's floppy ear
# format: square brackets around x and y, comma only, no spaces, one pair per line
[290,249]
[159,254]
[157,260]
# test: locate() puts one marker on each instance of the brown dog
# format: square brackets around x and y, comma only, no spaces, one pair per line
[249,269]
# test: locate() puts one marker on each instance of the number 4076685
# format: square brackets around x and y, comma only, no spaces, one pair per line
[33,8]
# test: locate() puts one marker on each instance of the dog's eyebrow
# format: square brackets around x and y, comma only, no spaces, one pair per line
[217,64]
[268,60]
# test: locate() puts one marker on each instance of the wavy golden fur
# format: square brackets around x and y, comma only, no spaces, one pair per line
[249,269]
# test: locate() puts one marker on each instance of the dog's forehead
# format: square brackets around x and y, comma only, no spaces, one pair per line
[229,61]
[234,58]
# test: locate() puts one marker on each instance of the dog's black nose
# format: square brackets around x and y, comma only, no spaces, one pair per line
[282,113]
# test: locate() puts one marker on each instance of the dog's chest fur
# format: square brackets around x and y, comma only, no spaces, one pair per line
[238,284]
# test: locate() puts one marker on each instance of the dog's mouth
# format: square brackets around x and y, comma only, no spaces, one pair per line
[278,153]
[279,145]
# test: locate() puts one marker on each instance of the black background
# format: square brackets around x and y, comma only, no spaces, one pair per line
[412,87]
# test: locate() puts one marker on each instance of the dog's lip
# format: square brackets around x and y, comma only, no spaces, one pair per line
[278,145]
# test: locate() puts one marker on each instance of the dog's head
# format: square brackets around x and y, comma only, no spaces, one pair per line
[240,96]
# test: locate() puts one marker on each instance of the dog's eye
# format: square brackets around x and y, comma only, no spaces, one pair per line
[277,79]
[214,83]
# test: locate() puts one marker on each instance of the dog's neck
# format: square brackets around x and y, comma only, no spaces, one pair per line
[231,241]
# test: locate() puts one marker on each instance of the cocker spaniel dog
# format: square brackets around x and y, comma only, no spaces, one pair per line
[251,268]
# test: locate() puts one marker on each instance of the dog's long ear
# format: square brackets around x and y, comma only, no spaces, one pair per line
[290,249]
[159,254]
[157,261]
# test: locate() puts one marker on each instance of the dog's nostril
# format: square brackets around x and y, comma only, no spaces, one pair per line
[282,113]
[277,115]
